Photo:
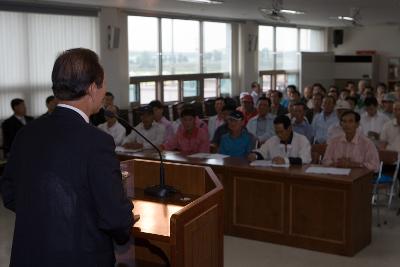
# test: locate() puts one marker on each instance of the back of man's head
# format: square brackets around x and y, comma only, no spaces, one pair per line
[74,71]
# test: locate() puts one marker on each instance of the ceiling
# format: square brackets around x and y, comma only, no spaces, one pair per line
[373,12]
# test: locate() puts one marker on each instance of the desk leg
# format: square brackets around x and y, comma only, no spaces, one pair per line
[153,249]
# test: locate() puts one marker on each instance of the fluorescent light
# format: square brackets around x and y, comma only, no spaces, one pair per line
[216,2]
[287,11]
[346,18]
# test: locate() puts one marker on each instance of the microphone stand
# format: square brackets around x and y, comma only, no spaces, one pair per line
[162,190]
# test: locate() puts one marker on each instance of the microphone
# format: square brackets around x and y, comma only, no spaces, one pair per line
[162,190]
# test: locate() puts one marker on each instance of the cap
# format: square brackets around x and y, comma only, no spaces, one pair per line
[389,98]
[236,115]
[247,98]
[342,105]
[146,110]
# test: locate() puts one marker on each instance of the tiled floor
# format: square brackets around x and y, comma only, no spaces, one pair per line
[383,251]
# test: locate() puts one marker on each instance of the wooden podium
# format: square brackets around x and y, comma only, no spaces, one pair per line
[186,229]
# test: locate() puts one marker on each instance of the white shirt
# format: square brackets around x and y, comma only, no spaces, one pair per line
[155,134]
[299,148]
[21,119]
[213,123]
[80,112]
[391,135]
[117,131]
[373,124]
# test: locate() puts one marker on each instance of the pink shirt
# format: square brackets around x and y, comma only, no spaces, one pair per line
[360,150]
[197,142]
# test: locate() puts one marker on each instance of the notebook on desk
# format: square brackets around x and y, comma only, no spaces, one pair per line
[121,149]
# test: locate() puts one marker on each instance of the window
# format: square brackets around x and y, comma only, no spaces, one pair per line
[171,91]
[266,48]
[183,58]
[190,88]
[143,46]
[217,47]
[180,46]
[312,40]
[32,43]
[147,92]
[210,88]
[133,97]
[286,48]
[279,50]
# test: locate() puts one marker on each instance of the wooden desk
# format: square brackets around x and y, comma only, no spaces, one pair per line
[184,230]
[287,206]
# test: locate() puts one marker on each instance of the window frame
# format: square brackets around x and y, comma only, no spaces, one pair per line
[199,77]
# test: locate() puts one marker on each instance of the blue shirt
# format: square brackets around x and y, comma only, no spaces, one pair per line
[237,147]
[304,128]
[320,125]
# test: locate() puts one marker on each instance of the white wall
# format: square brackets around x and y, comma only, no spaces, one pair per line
[248,56]
[384,39]
[115,61]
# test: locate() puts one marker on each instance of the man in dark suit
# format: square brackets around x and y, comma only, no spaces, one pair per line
[12,125]
[64,184]
[51,104]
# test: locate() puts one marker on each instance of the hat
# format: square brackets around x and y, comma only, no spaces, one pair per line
[389,98]
[247,98]
[236,115]
[342,105]
[145,110]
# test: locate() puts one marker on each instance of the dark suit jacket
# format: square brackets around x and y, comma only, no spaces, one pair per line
[98,118]
[63,181]
[10,128]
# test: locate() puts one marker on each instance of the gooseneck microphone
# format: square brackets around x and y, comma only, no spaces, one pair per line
[162,190]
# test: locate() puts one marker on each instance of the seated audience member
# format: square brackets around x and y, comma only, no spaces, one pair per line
[158,111]
[276,108]
[336,129]
[381,91]
[292,94]
[287,147]
[390,135]
[238,142]
[177,123]
[217,120]
[372,120]
[387,105]
[353,149]
[307,96]
[190,138]
[256,91]
[319,89]
[223,129]
[397,91]
[317,107]
[351,86]
[13,124]
[262,125]
[344,93]
[324,120]
[149,128]
[99,117]
[290,106]
[300,124]
[334,92]
[112,126]
[247,108]
[51,104]
[353,102]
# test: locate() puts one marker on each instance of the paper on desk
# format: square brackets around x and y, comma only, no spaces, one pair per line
[121,149]
[208,156]
[267,163]
[328,170]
